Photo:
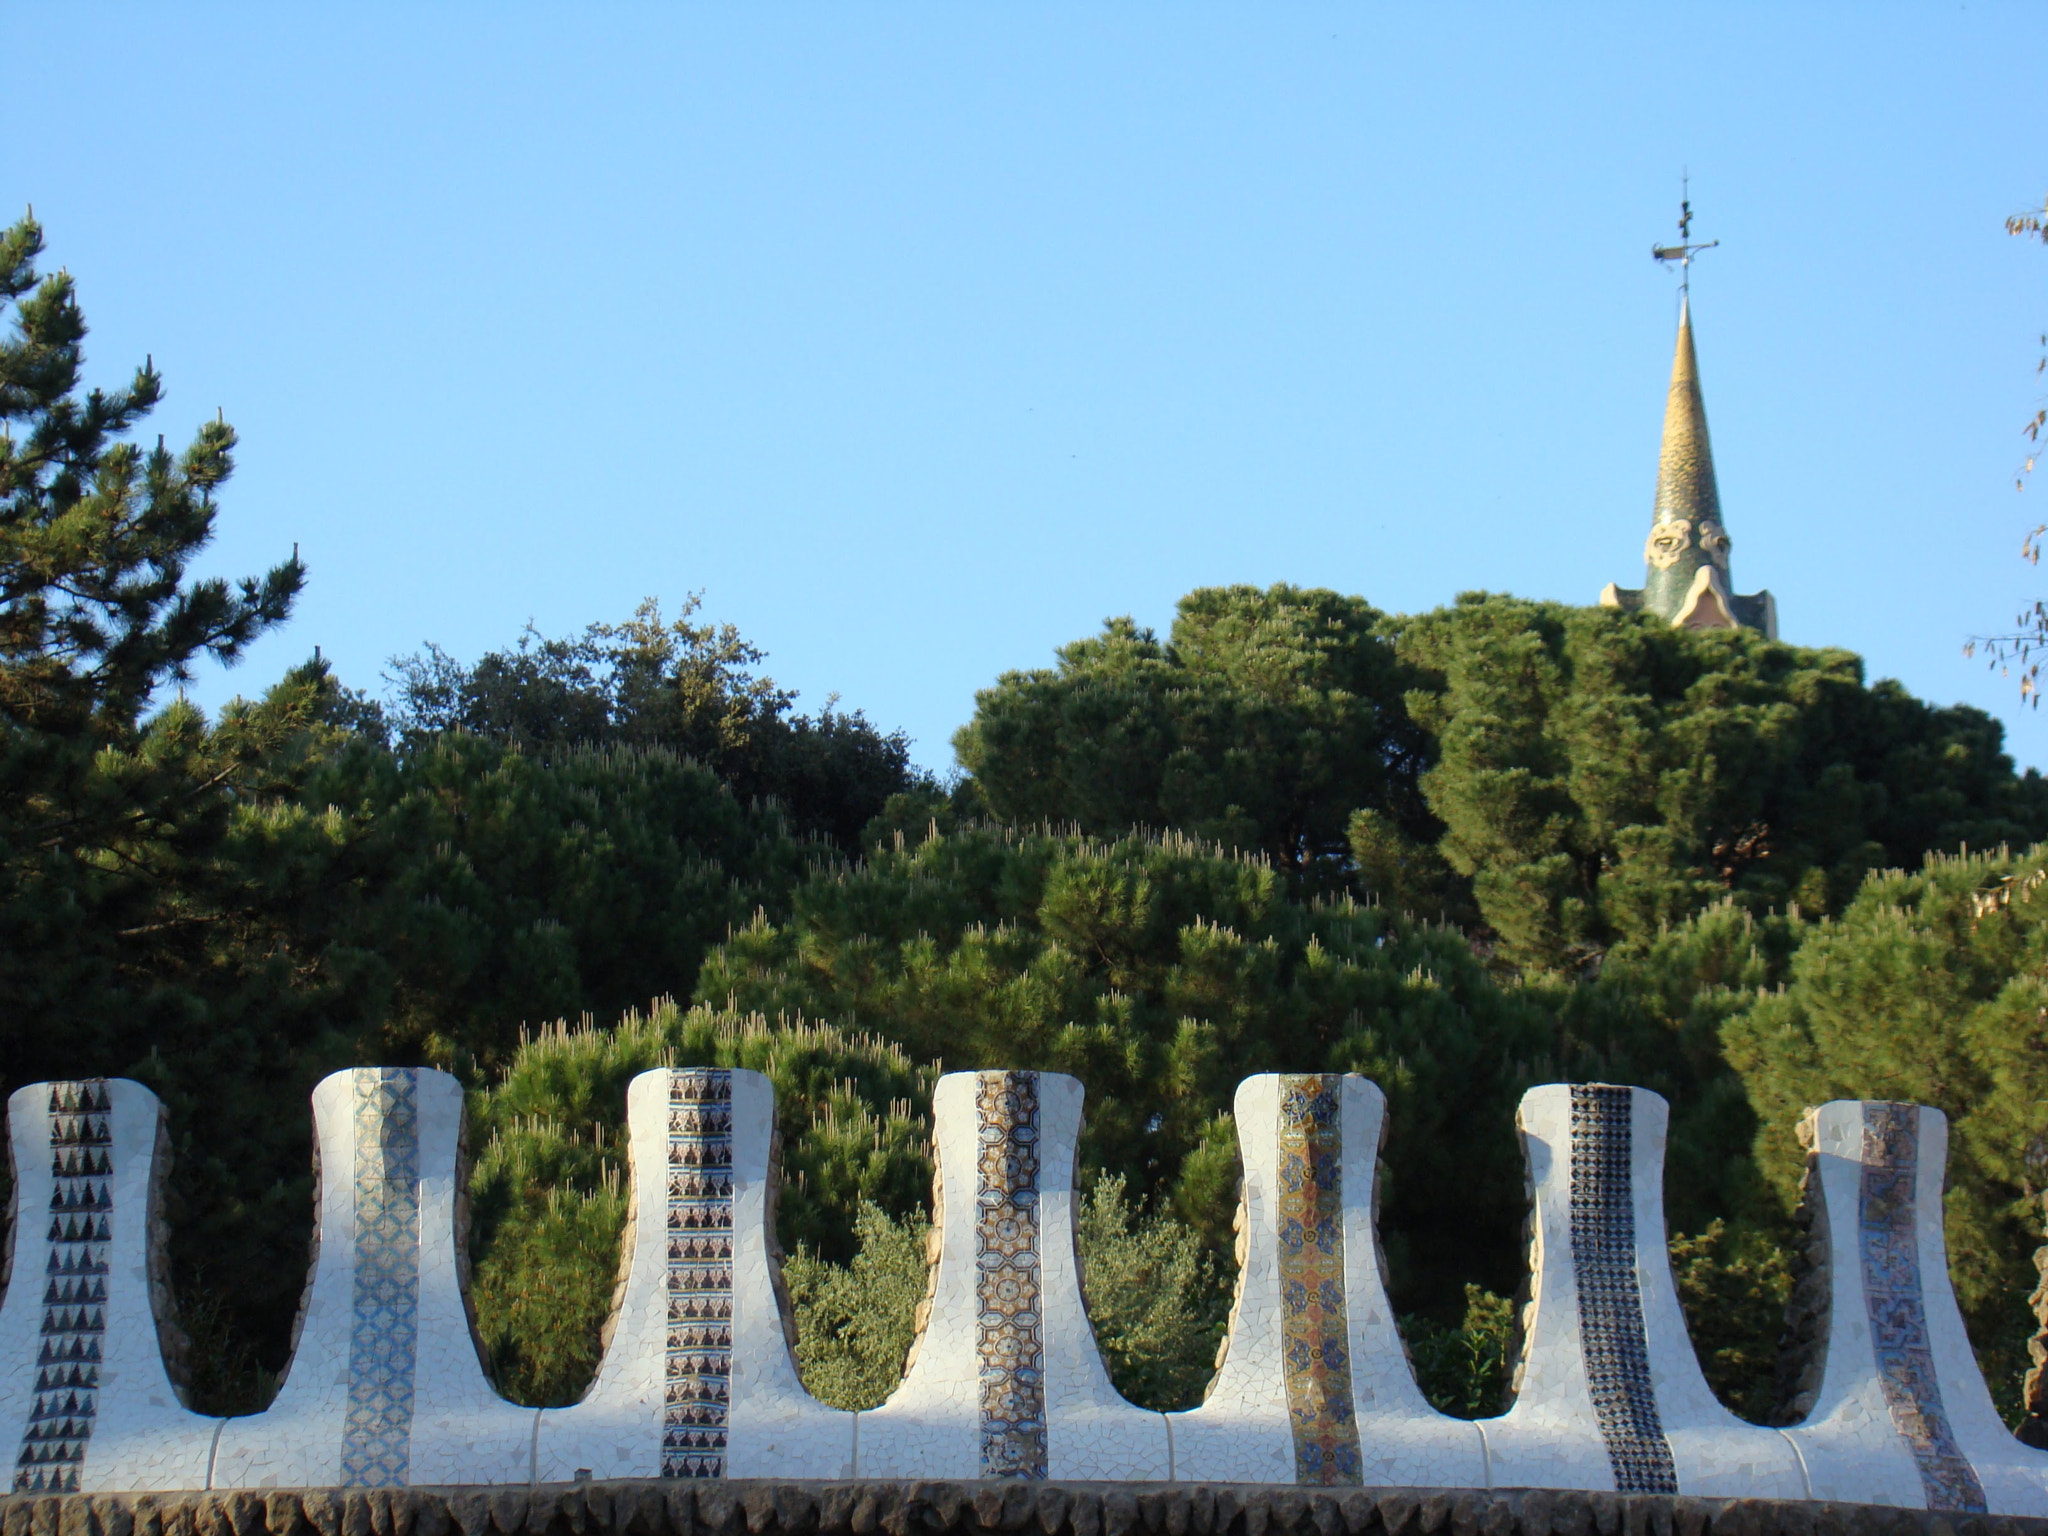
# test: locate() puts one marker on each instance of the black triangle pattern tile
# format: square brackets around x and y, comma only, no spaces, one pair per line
[66,1402]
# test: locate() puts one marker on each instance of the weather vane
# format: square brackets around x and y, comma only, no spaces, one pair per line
[1687,247]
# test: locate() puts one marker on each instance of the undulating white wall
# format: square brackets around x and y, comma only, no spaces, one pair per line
[386,1387]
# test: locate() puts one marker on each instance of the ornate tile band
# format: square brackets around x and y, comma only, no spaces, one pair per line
[1009,1328]
[1315,1334]
[697,1397]
[1611,1335]
[1888,1238]
[383,1345]
[74,1291]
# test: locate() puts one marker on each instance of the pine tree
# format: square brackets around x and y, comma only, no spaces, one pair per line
[1602,775]
[104,808]
[127,926]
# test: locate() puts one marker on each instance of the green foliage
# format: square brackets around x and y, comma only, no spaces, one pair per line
[549,1189]
[1929,989]
[855,1322]
[553,1206]
[1562,779]
[1463,1368]
[413,907]
[1404,872]
[1733,1283]
[1653,1017]
[1602,775]
[1152,1295]
[490,887]
[1494,845]
[1160,972]
[1263,723]
[672,684]
[133,941]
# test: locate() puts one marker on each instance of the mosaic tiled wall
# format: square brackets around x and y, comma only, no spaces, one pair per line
[1888,1234]
[68,1362]
[698,1394]
[383,1344]
[1009,1339]
[1315,1332]
[1603,1227]
[386,1389]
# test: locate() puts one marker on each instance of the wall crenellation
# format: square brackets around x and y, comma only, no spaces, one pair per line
[1313,1417]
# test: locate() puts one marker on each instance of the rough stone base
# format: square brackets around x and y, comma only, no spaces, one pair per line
[762,1508]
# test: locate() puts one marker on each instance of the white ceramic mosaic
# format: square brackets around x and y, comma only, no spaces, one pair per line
[1902,1415]
[1006,1381]
[698,1379]
[85,1401]
[386,1387]
[1609,1391]
[1315,1385]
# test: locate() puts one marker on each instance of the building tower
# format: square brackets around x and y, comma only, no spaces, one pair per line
[1686,581]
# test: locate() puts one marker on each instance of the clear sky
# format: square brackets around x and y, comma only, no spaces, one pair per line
[921,339]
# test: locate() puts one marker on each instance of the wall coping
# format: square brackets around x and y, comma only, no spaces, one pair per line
[761,1507]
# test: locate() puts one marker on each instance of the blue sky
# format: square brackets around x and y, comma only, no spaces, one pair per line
[921,339]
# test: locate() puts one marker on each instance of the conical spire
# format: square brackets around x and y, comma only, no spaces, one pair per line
[1687,555]
[1685,469]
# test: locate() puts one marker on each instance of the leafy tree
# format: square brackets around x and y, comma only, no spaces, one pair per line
[1462,1368]
[1153,1297]
[1262,723]
[1733,1281]
[673,684]
[1558,780]
[855,1322]
[550,1194]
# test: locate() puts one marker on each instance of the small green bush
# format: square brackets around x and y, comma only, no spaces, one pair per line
[1463,1370]
[1152,1294]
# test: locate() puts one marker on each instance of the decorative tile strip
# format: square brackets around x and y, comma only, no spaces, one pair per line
[66,1401]
[1889,1239]
[697,1406]
[1611,1338]
[383,1343]
[1316,1339]
[1009,1331]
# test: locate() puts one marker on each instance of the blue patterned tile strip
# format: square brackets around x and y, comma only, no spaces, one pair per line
[383,1342]
[1315,1334]
[697,1402]
[74,1290]
[1009,1326]
[1889,1238]
[1611,1337]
